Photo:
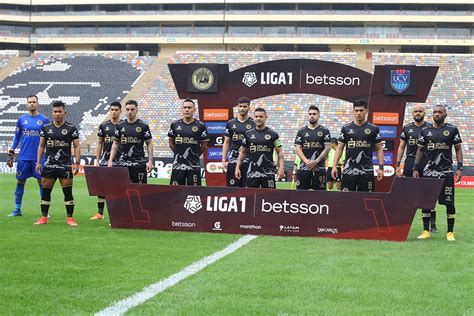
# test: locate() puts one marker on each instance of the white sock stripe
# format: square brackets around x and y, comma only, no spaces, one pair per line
[121,307]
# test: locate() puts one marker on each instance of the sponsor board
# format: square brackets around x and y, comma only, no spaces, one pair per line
[387,118]
[329,80]
[388,145]
[388,131]
[388,171]
[214,153]
[216,115]
[387,158]
[214,167]
[183,224]
[216,140]
[215,127]
[466,182]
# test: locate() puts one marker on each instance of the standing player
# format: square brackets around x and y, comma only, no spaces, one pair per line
[104,146]
[330,162]
[408,138]
[360,137]
[435,144]
[311,145]
[259,144]
[27,134]
[58,137]
[234,134]
[129,138]
[188,140]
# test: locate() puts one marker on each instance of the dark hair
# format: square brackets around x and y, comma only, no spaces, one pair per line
[189,100]
[32,96]
[117,104]
[132,102]
[334,140]
[313,107]
[58,104]
[243,100]
[441,106]
[260,110]
[360,102]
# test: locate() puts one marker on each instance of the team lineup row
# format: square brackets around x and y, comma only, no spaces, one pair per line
[248,151]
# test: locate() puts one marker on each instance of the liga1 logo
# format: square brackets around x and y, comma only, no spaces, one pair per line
[400,79]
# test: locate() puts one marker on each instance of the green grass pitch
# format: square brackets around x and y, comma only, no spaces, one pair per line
[56,269]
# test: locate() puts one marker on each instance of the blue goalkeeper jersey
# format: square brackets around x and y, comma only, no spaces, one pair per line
[27,134]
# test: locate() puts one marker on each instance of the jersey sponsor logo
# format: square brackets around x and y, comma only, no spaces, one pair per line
[215,127]
[388,118]
[216,114]
[202,78]
[185,140]
[214,153]
[331,80]
[389,131]
[400,79]
[387,158]
[214,167]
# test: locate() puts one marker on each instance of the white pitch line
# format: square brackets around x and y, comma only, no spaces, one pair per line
[121,307]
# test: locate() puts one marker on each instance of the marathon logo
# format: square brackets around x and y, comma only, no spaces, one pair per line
[215,127]
[388,131]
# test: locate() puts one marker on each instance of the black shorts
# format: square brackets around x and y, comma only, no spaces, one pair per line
[232,181]
[267,182]
[359,183]
[408,167]
[186,177]
[314,180]
[329,176]
[138,174]
[446,195]
[60,172]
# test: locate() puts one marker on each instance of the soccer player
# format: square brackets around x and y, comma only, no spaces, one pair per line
[330,162]
[58,137]
[311,145]
[359,137]
[188,140]
[259,144]
[408,138]
[233,136]
[27,134]
[105,140]
[129,138]
[435,144]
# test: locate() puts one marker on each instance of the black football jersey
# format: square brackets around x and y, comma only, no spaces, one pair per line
[360,141]
[438,143]
[312,142]
[187,139]
[58,142]
[235,130]
[260,145]
[131,137]
[409,135]
[106,131]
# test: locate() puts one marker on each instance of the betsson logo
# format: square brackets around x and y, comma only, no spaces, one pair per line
[295,208]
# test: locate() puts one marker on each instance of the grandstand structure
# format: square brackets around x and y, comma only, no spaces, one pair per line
[93,52]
